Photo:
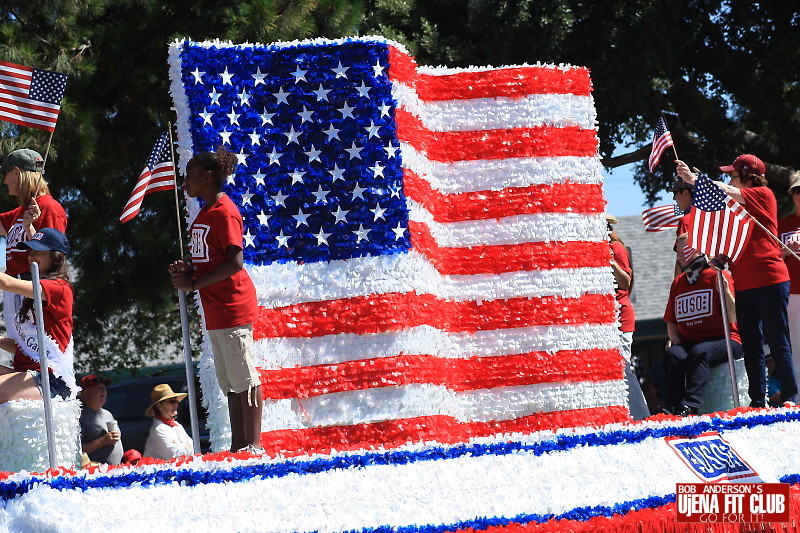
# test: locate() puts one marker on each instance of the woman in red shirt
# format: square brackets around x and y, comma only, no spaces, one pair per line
[227,293]
[48,248]
[762,280]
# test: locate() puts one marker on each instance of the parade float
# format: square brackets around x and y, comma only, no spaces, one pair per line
[437,339]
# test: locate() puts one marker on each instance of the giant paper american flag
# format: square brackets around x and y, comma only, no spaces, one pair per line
[428,245]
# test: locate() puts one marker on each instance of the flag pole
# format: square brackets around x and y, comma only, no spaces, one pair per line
[187,346]
[44,366]
[724,306]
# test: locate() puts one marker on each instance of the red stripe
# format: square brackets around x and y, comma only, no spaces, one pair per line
[18,67]
[507,257]
[565,197]
[5,87]
[455,374]
[29,124]
[505,82]
[400,311]
[442,429]
[447,146]
[28,104]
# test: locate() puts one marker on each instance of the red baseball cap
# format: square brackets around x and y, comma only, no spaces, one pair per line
[746,162]
[131,456]
[92,380]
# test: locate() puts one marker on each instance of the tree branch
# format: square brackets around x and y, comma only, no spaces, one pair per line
[624,159]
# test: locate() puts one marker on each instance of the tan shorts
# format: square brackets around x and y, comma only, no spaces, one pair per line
[233,358]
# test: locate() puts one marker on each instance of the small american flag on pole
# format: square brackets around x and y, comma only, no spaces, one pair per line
[662,139]
[721,225]
[158,175]
[30,96]
[662,218]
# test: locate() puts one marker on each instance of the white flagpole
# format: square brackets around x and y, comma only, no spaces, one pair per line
[187,346]
[731,368]
[44,367]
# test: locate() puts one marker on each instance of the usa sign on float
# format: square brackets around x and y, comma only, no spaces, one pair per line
[428,244]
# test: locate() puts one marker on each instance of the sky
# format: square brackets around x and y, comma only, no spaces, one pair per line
[623,195]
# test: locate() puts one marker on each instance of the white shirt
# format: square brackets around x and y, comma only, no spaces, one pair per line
[167,442]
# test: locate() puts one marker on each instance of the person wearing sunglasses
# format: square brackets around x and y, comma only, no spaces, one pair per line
[167,438]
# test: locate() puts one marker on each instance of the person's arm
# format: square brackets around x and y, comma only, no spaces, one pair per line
[18,286]
[234,260]
[672,333]
[730,301]
[690,177]
[8,344]
[168,443]
[108,439]
[622,278]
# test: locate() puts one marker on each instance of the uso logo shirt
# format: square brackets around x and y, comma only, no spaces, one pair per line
[696,308]
[52,216]
[231,302]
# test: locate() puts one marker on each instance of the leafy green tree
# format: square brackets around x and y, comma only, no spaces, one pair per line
[117,102]
[724,72]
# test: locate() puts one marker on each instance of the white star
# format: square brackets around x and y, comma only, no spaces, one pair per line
[363,90]
[292,136]
[233,116]
[340,71]
[259,77]
[226,77]
[259,177]
[322,94]
[377,170]
[358,192]
[340,214]
[299,74]
[274,156]
[378,212]
[231,180]
[249,240]
[244,98]
[266,118]
[321,195]
[399,232]
[361,233]
[332,133]
[385,108]
[301,217]
[322,237]
[305,115]
[391,150]
[282,96]
[283,240]
[346,111]
[214,95]
[246,197]
[337,173]
[313,154]
[206,116]
[377,69]
[354,151]
[241,158]
[255,138]
[198,76]
[263,218]
[395,191]
[372,129]
[280,198]
[297,176]
[226,136]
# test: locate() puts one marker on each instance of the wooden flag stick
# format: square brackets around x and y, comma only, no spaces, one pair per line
[175,178]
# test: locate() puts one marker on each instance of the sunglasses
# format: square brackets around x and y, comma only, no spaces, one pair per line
[171,400]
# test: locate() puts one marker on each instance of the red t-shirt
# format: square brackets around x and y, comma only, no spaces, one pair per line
[760,263]
[696,308]
[57,311]
[231,302]
[626,317]
[789,227]
[52,216]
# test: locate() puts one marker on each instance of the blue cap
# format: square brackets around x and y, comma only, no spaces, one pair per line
[46,239]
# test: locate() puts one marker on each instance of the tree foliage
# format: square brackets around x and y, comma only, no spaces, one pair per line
[724,72]
[117,102]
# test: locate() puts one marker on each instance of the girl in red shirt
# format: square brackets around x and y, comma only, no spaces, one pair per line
[48,248]
[227,293]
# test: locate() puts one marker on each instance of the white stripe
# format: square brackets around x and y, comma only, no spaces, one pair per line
[516,229]
[410,401]
[7,90]
[28,102]
[275,353]
[497,174]
[16,73]
[29,120]
[529,111]
[291,283]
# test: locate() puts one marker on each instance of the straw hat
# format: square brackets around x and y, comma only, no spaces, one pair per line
[159,394]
